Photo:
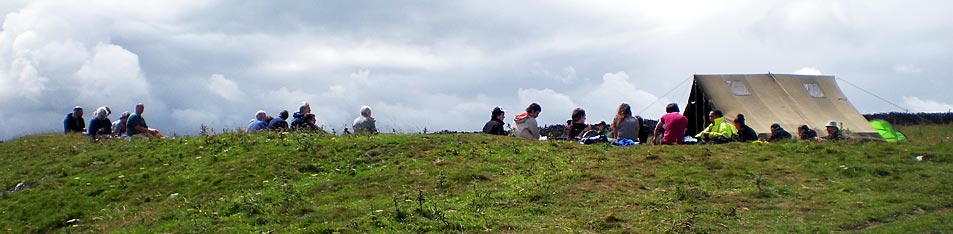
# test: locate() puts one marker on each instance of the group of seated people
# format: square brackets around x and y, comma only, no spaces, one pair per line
[627,129]
[134,125]
[129,125]
[304,120]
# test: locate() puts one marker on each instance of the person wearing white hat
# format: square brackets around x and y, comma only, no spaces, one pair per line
[833,132]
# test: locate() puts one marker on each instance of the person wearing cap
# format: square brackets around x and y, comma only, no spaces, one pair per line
[603,128]
[74,122]
[778,133]
[671,127]
[745,132]
[833,132]
[495,124]
[577,125]
[136,125]
[526,125]
[806,133]
[259,123]
[299,121]
[364,124]
[100,127]
[119,126]
[718,131]
[280,123]
[624,126]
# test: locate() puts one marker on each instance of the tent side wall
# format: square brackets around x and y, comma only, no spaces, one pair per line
[764,99]
[834,105]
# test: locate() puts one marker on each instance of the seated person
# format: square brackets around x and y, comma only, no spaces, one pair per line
[718,131]
[624,126]
[778,133]
[119,126]
[136,125]
[644,130]
[280,123]
[299,121]
[806,133]
[745,133]
[671,127]
[364,124]
[526,125]
[603,129]
[577,125]
[833,132]
[259,123]
[495,125]
[310,124]
[74,122]
[100,127]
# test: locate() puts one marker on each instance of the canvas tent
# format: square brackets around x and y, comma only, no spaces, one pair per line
[764,99]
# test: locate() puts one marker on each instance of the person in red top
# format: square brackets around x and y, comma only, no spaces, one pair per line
[674,125]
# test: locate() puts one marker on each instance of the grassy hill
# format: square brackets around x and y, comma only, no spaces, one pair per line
[301,183]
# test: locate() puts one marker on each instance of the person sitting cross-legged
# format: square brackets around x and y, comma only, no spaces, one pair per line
[718,131]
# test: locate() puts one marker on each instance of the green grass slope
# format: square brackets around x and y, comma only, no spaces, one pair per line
[301,183]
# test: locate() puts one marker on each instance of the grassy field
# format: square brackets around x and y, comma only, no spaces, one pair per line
[301,183]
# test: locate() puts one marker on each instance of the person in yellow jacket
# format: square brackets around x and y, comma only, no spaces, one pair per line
[719,131]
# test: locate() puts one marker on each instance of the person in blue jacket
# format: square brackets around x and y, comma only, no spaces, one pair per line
[74,122]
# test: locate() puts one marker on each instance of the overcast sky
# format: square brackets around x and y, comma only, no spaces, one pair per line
[446,64]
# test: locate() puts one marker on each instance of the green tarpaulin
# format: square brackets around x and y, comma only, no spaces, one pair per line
[887,132]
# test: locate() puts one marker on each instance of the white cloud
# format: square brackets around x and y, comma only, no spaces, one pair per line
[920,105]
[617,88]
[808,71]
[224,87]
[111,74]
[443,64]
[907,68]
[556,106]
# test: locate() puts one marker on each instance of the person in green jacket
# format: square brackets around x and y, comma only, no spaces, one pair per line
[718,131]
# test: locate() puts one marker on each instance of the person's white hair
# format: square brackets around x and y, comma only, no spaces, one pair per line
[259,113]
[101,112]
[366,111]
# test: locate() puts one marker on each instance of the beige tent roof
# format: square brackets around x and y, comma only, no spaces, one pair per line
[764,99]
